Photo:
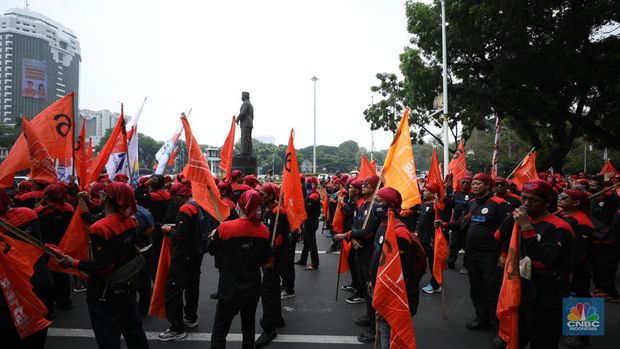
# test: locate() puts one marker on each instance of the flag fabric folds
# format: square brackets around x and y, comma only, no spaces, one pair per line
[81,166]
[367,168]
[495,159]
[293,195]
[390,296]
[324,203]
[102,158]
[204,189]
[74,243]
[510,295]
[163,154]
[226,153]
[526,170]
[608,167]
[42,166]
[343,264]
[458,167]
[440,251]
[158,302]
[55,128]
[117,161]
[435,176]
[133,148]
[399,166]
[16,270]
[338,221]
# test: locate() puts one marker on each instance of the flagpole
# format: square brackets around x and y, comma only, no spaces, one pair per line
[339,266]
[520,163]
[444,304]
[73,136]
[275,226]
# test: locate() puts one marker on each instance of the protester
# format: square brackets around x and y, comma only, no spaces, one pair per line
[459,201]
[426,231]
[313,211]
[350,208]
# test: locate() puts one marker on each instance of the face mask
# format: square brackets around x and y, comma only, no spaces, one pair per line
[379,210]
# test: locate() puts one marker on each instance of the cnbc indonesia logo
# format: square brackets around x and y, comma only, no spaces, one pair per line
[584,317]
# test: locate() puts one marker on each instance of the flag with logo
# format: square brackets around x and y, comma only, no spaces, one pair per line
[526,170]
[435,176]
[226,153]
[390,295]
[458,167]
[399,166]
[104,154]
[117,161]
[163,154]
[291,187]
[41,164]
[608,167]
[55,128]
[510,295]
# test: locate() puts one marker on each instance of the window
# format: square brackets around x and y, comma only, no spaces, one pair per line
[61,57]
[63,45]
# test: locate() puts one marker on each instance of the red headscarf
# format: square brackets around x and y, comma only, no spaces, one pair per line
[250,203]
[123,195]
[432,187]
[5,201]
[121,177]
[579,195]
[55,194]
[180,189]
[250,180]
[271,189]
[26,186]
[538,187]
[391,196]
[225,188]
[95,188]
[373,180]
[356,183]
[483,177]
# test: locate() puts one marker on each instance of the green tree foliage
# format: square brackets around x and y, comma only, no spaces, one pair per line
[9,134]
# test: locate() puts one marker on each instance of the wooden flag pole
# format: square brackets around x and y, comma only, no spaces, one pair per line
[603,191]
[275,225]
[339,266]
[513,171]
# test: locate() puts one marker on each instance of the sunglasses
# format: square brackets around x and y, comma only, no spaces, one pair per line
[563,197]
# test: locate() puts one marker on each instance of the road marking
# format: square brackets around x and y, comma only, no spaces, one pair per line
[322,252]
[206,337]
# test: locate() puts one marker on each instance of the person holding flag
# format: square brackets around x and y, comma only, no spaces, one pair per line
[426,231]
[458,200]
[501,190]
[313,211]
[350,209]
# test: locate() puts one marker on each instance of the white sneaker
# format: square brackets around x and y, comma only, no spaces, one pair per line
[430,290]
[169,335]
[286,295]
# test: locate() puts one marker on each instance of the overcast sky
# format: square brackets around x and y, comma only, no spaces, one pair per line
[202,54]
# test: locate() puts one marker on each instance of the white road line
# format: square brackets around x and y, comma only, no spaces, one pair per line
[206,337]
[322,252]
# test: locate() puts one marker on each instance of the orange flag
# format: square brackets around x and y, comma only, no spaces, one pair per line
[16,269]
[338,221]
[226,153]
[293,195]
[74,243]
[81,168]
[41,164]
[399,167]
[345,248]
[526,170]
[434,176]
[89,154]
[204,189]
[55,127]
[390,296]
[458,167]
[510,295]
[608,168]
[440,252]
[172,157]
[104,154]
[325,203]
[367,168]
[158,303]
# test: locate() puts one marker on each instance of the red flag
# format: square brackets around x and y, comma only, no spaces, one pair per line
[390,296]
[510,295]
[435,176]
[204,189]
[81,167]
[172,157]
[89,157]
[325,203]
[55,127]
[345,248]
[104,154]
[158,304]
[26,309]
[458,167]
[526,170]
[226,153]
[74,243]
[338,221]
[293,196]
[440,252]
[41,164]
[608,167]
[367,168]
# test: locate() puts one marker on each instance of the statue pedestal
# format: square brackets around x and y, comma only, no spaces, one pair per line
[244,163]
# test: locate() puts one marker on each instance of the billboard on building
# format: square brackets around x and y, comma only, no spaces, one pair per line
[34,78]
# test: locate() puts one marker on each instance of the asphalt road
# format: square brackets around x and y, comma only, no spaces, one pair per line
[314,319]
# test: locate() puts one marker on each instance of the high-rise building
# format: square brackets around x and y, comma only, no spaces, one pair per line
[39,63]
[97,123]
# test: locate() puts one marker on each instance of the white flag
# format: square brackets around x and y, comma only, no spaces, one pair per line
[163,154]
[132,148]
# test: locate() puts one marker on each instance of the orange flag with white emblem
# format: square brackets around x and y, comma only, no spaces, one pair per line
[104,154]
[42,166]
[526,170]
[458,167]
[390,296]
[510,295]
[226,153]
[204,189]
[291,187]
[399,167]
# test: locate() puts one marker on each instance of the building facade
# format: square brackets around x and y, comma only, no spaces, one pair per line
[97,123]
[39,63]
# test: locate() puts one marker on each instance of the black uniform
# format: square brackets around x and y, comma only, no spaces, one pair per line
[311,224]
[426,234]
[158,202]
[184,274]
[579,262]
[113,311]
[604,252]
[244,248]
[459,201]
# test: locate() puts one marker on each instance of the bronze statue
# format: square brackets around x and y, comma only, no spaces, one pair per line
[245,121]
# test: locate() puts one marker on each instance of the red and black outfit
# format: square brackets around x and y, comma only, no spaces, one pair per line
[184,275]
[579,260]
[426,233]
[311,224]
[29,199]
[604,252]
[237,190]
[244,248]
[158,203]
[112,311]
[513,200]
[458,201]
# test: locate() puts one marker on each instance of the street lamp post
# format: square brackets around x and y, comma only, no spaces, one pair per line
[446,144]
[314,79]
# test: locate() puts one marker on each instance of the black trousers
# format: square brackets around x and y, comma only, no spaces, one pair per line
[117,315]
[363,256]
[457,242]
[62,289]
[11,339]
[485,282]
[183,282]
[144,284]
[430,257]
[310,246]
[288,270]
[541,327]
[355,275]
[225,312]
[604,259]
[155,250]
[270,293]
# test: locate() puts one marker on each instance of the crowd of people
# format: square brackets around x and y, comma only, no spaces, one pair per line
[569,228]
